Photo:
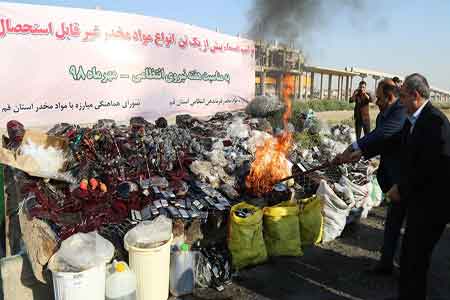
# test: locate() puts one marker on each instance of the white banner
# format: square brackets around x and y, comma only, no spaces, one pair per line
[77,66]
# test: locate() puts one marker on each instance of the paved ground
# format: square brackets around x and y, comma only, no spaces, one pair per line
[335,271]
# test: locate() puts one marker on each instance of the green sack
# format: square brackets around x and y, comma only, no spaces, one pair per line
[311,221]
[281,230]
[245,237]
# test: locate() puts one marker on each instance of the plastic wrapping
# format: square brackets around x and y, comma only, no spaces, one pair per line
[257,139]
[238,129]
[263,106]
[150,234]
[335,212]
[82,251]
[212,268]
[182,279]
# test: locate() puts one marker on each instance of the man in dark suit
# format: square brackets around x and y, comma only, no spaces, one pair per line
[425,140]
[389,121]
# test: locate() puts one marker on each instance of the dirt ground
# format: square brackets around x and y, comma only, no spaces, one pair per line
[334,271]
[333,117]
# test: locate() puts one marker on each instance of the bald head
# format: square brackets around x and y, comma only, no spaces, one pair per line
[389,88]
[387,93]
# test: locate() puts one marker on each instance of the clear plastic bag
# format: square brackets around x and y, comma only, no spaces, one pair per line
[83,251]
[149,234]
[238,129]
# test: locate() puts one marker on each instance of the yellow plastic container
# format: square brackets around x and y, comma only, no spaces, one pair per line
[152,267]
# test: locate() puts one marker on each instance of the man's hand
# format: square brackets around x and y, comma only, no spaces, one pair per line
[349,155]
[393,194]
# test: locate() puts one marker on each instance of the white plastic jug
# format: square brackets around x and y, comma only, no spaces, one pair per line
[120,282]
[182,279]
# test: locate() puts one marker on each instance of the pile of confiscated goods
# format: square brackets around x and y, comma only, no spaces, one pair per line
[132,188]
[349,191]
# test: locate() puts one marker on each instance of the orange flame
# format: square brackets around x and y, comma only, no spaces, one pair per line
[270,164]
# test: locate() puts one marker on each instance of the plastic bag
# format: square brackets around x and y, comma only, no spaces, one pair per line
[335,212]
[345,192]
[311,221]
[282,230]
[375,192]
[82,251]
[245,238]
[149,234]
[359,192]
[212,268]
[238,129]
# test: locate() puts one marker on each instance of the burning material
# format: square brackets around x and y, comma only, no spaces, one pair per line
[270,164]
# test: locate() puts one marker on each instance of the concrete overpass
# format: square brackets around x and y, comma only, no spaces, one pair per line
[436,93]
[341,83]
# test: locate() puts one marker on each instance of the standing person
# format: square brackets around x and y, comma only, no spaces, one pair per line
[389,122]
[361,97]
[426,146]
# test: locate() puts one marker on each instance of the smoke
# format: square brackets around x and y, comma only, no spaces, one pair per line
[296,20]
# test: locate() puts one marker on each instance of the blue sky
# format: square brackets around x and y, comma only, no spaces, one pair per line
[401,36]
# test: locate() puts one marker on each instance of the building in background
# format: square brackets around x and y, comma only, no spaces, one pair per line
[273,61]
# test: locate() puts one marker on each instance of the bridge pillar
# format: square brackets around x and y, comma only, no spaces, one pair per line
[262,83]
[321,86]
[339,88]
[346,88]
[280,85]
[312,86]
[342,88]
[330,81]
[351,85]
[300,87]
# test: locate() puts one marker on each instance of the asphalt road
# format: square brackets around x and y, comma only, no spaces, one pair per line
[335,271]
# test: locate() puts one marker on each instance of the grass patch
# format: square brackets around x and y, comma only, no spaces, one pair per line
[306,140]
[442,105]
[321,105]
[303,106]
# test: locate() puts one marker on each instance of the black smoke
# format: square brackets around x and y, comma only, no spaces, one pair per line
[294,20]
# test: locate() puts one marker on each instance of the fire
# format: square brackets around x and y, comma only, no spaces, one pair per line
[270,164]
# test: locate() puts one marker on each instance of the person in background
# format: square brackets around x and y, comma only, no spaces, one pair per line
[425,142]
[361,97]
[397,81]
[389,121]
